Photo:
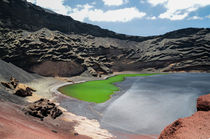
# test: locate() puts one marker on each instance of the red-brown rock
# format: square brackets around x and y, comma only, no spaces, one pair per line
[196,126]
[203,103]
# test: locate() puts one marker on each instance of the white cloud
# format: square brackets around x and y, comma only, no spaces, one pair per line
[54,5]
[98,15]
[195,18]
[157,2]
[178,9]
[208,16]
[151,17]
[114,2]
[82,12]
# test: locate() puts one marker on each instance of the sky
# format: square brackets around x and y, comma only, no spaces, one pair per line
[134,17]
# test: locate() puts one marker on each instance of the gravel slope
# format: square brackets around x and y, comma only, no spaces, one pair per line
[13,118]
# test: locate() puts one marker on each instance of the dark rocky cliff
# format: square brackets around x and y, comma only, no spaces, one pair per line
[51,44]
[24,15]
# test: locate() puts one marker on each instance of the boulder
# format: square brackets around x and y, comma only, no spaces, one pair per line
[43,108]
[23,92]
[7,85]
[203,103]
[14,82]
[19,89]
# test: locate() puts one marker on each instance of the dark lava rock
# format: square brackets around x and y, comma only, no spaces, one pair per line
[12,84]
[19,89]
[24,92]
[7,85]
[43,108]
[55,45]
[54,131]
[76,134]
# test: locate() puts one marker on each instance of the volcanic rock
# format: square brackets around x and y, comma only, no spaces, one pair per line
[7,85]
[203,103]
[43,108]
[12,84]
[196,126]
[23,90]
[55,45]
[19,89]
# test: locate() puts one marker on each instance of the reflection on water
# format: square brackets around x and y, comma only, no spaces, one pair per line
[154,102]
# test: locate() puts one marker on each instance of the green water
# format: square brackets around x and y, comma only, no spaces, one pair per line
[97,91]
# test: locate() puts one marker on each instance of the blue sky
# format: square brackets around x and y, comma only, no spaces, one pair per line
[135,17]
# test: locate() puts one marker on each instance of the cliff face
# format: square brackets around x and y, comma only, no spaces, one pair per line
[51,44]
[24,15]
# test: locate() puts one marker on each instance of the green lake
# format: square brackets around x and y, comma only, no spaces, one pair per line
[97,91]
